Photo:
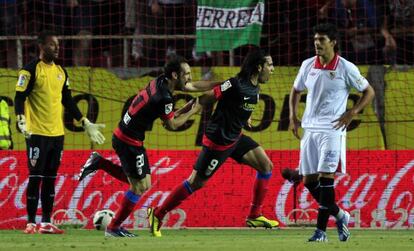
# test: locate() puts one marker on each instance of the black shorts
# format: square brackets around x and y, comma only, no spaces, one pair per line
[210,160]
[44,155]
[134,159]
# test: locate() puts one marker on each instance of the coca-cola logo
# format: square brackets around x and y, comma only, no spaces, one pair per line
[376,194]
[375,198]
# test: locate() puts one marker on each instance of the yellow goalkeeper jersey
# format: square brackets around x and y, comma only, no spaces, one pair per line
[42,85]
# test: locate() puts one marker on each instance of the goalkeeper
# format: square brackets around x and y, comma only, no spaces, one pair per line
[41,90]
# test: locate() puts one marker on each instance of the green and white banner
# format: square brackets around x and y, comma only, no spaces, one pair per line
[224,25]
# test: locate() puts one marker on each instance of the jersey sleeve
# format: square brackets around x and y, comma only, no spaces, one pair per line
[225,89]
[299,83]
[166,108]
[355,79]
[67,100]
[24,86]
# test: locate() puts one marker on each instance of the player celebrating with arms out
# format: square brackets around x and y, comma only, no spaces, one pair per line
[328,79]
[223,138]
[155,101]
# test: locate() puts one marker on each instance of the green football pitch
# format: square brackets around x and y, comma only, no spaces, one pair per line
[210,239]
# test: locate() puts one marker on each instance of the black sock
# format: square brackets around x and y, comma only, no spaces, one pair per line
[327,202]
[47,197]
[315,189]
[32,198]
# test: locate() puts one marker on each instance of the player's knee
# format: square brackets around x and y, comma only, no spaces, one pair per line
[196,184]
[140,187]
[267,167]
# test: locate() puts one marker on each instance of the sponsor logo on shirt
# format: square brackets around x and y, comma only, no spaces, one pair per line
[248,107]
[168,108]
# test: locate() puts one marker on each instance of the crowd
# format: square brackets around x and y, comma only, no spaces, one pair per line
[373,32]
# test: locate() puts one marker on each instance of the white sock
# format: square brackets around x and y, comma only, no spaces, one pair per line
[340,214]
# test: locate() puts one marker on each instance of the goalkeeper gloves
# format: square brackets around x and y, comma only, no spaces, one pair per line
[93,131]
[21,125]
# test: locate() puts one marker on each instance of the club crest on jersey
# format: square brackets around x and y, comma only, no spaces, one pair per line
[59,76]
[332,74]
[168,108]
[22,80]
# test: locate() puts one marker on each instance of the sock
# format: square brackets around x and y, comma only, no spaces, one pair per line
[178,195]
[259,193]
[327,201]
[127,205]
[315,189]
[47,197]
[32,198]
[113,170]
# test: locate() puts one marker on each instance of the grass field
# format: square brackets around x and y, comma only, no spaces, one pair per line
[208,239]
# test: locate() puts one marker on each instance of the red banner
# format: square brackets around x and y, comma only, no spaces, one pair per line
[378,191]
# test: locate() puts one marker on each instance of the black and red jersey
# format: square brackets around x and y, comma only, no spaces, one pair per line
[237,100]
[154,101]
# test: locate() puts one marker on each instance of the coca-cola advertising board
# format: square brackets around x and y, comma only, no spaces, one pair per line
[378,191]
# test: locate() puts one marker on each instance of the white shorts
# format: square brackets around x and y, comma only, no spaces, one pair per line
[320,152]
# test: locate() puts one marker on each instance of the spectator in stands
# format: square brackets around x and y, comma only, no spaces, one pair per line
[398,31]
[9,23]
[168,17]
[359,20]
[98,17]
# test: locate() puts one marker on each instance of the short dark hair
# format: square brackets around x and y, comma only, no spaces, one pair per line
[173,65]
[253,59]
[42,37]
[329,30]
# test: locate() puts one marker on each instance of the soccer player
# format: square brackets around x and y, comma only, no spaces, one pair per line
[155,101]
[328,79]
[41,90]
[223,138]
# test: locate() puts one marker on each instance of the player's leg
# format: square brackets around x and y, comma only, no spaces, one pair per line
[332,150]
[207,164]
[135,164]
[54,151]
[249,152]
[96,162]
[308,168]
[36,163]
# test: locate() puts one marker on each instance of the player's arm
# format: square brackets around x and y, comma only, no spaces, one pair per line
[346,118]
[24,87]
[356,80]
[91,129]
[294,122]
[177,120]
[200,86]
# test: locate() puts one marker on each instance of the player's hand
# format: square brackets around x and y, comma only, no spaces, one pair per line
[196,107]
[344,121]
[21,125]
[249,122]
[93,131]
[294,124]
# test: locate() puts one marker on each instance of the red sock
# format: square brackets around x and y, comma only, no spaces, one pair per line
[127,206]
[180,193]
[259,193]
[113,169]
